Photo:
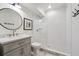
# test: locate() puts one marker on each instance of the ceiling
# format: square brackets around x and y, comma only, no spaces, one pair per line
[42,8]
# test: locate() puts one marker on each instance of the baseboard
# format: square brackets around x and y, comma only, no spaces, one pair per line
[54,52]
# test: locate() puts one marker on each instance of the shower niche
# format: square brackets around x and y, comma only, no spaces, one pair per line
[10,19]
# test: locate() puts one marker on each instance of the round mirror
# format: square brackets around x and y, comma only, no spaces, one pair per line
[10,19]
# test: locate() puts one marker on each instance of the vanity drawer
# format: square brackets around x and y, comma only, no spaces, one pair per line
[24,41]
[10,47]
[13,45]
[21,51]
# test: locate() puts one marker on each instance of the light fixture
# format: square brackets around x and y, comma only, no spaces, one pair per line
[49,6]
[16,5]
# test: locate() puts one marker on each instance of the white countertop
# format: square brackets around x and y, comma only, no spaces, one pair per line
[11,39]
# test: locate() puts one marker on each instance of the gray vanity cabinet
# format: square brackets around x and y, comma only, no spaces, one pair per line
[18,47]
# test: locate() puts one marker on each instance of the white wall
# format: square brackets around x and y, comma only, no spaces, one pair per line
[75,32]
[4,31]
[69,30]
[57,29]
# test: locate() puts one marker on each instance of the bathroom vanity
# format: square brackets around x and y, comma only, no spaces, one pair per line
[15,46]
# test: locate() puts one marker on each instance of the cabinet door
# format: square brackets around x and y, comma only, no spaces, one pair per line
[27,50]
[16,52]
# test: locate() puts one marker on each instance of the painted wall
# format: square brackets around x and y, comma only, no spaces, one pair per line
[75,32]
[69,29]
[57,29]
[4,31]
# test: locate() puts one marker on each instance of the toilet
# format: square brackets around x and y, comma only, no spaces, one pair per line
[36,48]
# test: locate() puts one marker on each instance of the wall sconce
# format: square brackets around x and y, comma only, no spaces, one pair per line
[16,5]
